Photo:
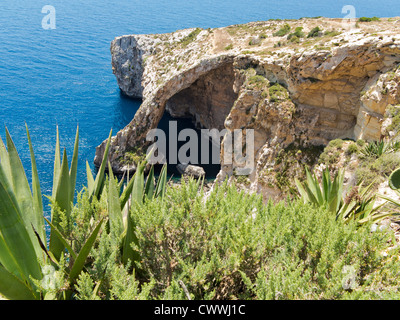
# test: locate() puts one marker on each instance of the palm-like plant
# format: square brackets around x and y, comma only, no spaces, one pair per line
[378,148]
[23,246]
[359,203]
[328,193]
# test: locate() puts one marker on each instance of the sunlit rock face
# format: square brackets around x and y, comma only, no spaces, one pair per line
[303,93]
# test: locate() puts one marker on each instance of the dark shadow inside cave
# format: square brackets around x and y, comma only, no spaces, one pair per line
[205,104]
[186,123]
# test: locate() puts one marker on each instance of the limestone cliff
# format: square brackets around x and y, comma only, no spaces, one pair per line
[299,82]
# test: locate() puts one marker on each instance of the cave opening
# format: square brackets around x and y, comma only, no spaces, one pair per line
[204,104]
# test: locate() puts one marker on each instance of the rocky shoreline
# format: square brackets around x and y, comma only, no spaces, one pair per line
[297,83]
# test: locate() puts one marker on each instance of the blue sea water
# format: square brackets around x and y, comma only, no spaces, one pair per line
[63,76]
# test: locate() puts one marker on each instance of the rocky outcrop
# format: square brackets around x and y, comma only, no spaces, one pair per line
[191,171]
[304,92]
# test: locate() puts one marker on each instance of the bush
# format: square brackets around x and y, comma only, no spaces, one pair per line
[331,154]
[298,33]
[190,37]
[232,246]
[282,31]
[393,112]
[278,93]
[314,32]
[257,81]
[373,170]
[178,241]
[367,19]
[352,149]
[332,33]
[229,47]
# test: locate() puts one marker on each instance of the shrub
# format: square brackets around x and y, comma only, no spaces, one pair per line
[297,33]
[229,47]
[294,39]
[373,170]
[257,81]
[393,112]
[378,148]
[361,142]
[224,245]
[290,162]
[359,203]
[282,31]
[331,154]
[352,149]
[314,32]
[231,246]
[190,37]
[367,19]
[332,33]
[277,93]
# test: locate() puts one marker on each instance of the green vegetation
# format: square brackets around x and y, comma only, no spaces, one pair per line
[352,149]
[298,33]
[375,159]
[358,205]
[394,184]
[31,268]
[248,52]
[331,155]
[394,179]
[367,19]
[190,37]
[232,246]
[133,156]
[290,163]
[229,47]
[255,81]
[145,240]
[254,41]
[374,170]
[278,93]
[331,33]
[315,32]
[376,149]
[241,179]
[393,112]
[282,31]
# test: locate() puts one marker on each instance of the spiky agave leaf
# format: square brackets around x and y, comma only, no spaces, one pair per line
[114,206]
[15,239]
[98,184]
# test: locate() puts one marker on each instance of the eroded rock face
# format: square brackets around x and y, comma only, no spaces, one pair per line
[305,93]
[208,100]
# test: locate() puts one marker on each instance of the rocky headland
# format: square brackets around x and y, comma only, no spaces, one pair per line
[298,83]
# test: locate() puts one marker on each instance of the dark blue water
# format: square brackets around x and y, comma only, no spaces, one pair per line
[63,76]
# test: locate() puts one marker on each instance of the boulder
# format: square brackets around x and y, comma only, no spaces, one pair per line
[191,170]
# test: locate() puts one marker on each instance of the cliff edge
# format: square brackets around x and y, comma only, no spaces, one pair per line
[298,83]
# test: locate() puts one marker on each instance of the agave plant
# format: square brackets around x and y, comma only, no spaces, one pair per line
[378,148]
[23,247]
[358,204]
[329,193]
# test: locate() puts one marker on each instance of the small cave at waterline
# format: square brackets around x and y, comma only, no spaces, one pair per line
[205,104]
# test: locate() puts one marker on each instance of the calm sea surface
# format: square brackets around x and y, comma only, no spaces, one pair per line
[63,77]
